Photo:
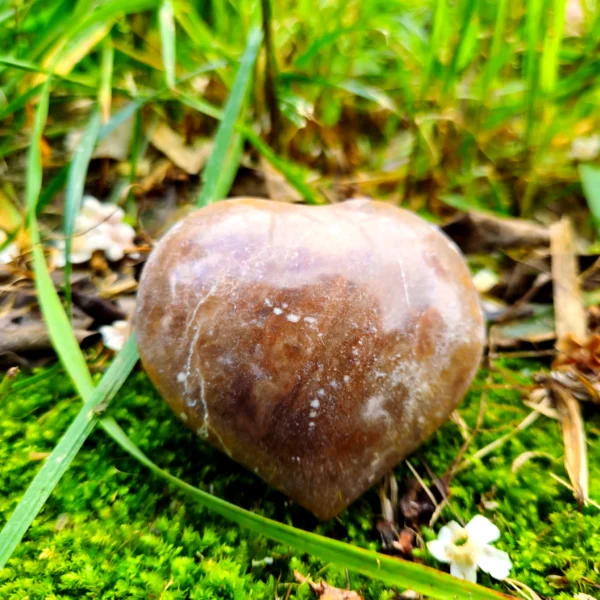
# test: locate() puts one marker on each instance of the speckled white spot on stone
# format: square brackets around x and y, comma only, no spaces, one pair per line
[293,318]
[181,377]
[285,305]
[333,383]
[277,311]
[312,414]
[320,392]
[310,320]
[355,351]
[346,378]
[374,409]
[315,403]
[311,424]
[268,302]
[183,417]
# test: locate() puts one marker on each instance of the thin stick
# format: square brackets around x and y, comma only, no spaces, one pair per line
[274,136]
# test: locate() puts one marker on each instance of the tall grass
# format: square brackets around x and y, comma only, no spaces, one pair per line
[501,71]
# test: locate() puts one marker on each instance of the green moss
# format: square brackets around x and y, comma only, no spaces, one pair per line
[111,530]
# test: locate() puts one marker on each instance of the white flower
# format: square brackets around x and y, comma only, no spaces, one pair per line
[98,227]
[10,252]
[467,548]
[114,336]
[585,148]
[485,280]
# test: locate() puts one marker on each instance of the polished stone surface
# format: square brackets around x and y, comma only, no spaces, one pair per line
[317,346]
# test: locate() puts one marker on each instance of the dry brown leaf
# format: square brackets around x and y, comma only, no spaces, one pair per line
[583,355]
[277,186]
[482,232]
[160,170]
[31,337]
[189,158]
[115,145]
[571,324]
[569,412]
[324,591]
[569,309]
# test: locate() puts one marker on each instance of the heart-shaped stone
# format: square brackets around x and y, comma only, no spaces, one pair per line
[317,346]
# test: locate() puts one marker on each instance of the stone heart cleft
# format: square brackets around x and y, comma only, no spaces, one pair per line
[317,346]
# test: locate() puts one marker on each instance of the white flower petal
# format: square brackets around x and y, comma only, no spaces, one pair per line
[437,549]
[114,253]
[449,532]
[495,562]
[467,572]
[115,335]
[482,531]
[90,206]
[10,252]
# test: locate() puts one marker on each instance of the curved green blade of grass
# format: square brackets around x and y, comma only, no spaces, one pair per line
[552,44]
[436,42]
[213,172]
[56,320]
[65,451]
[74,193]
[393,571]
[230,165]
[293,174]
[498,48]
[166,23]
[352,86]
[590,181]
[533,27]
[106,75]
[465,36]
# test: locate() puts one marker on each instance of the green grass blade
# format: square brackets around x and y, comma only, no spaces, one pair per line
[33,176]
[436,41]
[64,452]
[532,29]
[52,188]
[74,193]
[352,86]
[552,45]
[108,10]
[59,328]
[293,174]
[497,48]
[466,32]
[106,73]
[391,570]
[167,40]
[214,167]
[230,165]
[590,181]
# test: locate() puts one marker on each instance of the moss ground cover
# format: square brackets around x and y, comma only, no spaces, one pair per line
[110,530]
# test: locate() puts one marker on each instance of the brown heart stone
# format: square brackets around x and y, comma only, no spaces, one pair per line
[317,346]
